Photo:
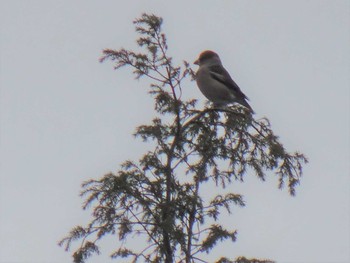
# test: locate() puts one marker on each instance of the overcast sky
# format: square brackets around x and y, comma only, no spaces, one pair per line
[66,118]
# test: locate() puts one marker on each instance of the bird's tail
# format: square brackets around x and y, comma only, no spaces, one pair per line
[244,103]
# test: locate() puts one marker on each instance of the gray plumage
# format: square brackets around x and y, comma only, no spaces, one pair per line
[216,83]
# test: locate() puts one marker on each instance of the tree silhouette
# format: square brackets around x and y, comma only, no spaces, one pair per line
[161,195]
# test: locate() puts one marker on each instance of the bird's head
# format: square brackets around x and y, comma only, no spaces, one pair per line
[207,56]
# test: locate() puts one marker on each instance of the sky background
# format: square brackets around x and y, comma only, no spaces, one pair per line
[66,118]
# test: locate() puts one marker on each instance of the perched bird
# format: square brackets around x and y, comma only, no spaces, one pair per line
[216,83]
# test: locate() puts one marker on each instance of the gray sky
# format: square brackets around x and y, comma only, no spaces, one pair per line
[66,118]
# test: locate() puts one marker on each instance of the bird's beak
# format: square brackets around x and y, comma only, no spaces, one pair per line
[196,62]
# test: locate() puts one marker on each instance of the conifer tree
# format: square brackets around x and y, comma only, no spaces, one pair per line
[161,196]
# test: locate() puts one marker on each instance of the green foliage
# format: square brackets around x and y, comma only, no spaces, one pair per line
[159,196]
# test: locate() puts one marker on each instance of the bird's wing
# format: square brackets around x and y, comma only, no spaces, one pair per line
[220,74]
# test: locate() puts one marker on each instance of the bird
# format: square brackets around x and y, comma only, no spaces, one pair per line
[215,82]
